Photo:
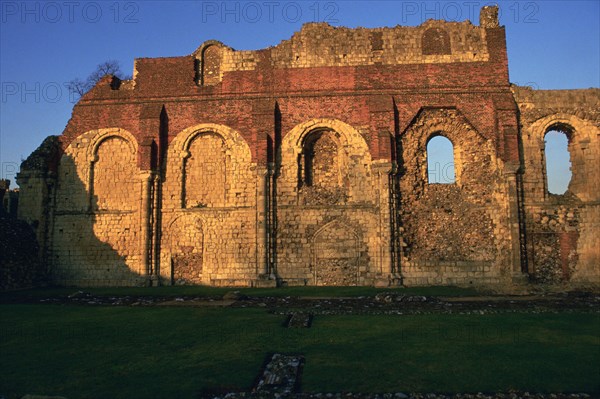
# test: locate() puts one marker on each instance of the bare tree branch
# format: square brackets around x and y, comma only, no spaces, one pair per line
[79,87]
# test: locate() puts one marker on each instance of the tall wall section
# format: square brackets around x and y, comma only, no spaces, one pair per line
[303,163]
[457,233]
[562,230]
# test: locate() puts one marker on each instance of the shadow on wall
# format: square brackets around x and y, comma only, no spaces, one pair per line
[20,266]
[96,236]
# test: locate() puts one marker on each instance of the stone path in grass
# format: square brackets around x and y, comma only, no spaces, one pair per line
[399,395]
[280,379]
[299,320]
[394,303]
[280,376]
[388,303]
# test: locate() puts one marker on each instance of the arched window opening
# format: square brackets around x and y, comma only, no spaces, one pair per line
[558,160]
[435,41]
[322,161]
[211,65]
[440,161]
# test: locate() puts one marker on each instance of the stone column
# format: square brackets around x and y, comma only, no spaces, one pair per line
[145,224]
[156,212]
[183,155]
[515,224]
[264,270]
[381,172]
[272,220]
[396,230]
[262,209]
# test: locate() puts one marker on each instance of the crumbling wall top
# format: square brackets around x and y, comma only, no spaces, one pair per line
[45,157]
[534,104]
[488,17]
[572,98]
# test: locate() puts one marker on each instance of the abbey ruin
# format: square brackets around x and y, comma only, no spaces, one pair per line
[306,164]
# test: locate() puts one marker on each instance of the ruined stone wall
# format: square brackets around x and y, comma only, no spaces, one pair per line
[37,181]
[209,208]
[20,264]
[562,230]
[95,239]
[456,233]
[319,44]
[306,163]
[332,203]
[9,199]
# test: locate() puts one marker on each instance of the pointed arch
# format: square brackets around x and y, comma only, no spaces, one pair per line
[470,147]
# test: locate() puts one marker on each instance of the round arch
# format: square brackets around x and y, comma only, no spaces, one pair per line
[580,135]
[435,41]
[234,142]
[75,180]
[447,122]
[575,128]
[354,162]
[233,170]
[569,124]
[100,135]
[349,137]
[440,159]
[439,133]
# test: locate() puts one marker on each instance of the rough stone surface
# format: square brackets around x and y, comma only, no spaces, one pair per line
[562,230]
[304,310]
[306,164]
[401,395]
[280,376]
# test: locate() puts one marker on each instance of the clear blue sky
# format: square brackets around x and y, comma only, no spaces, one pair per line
[551,44]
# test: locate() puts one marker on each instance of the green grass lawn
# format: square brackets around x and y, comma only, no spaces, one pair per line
[159,352]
